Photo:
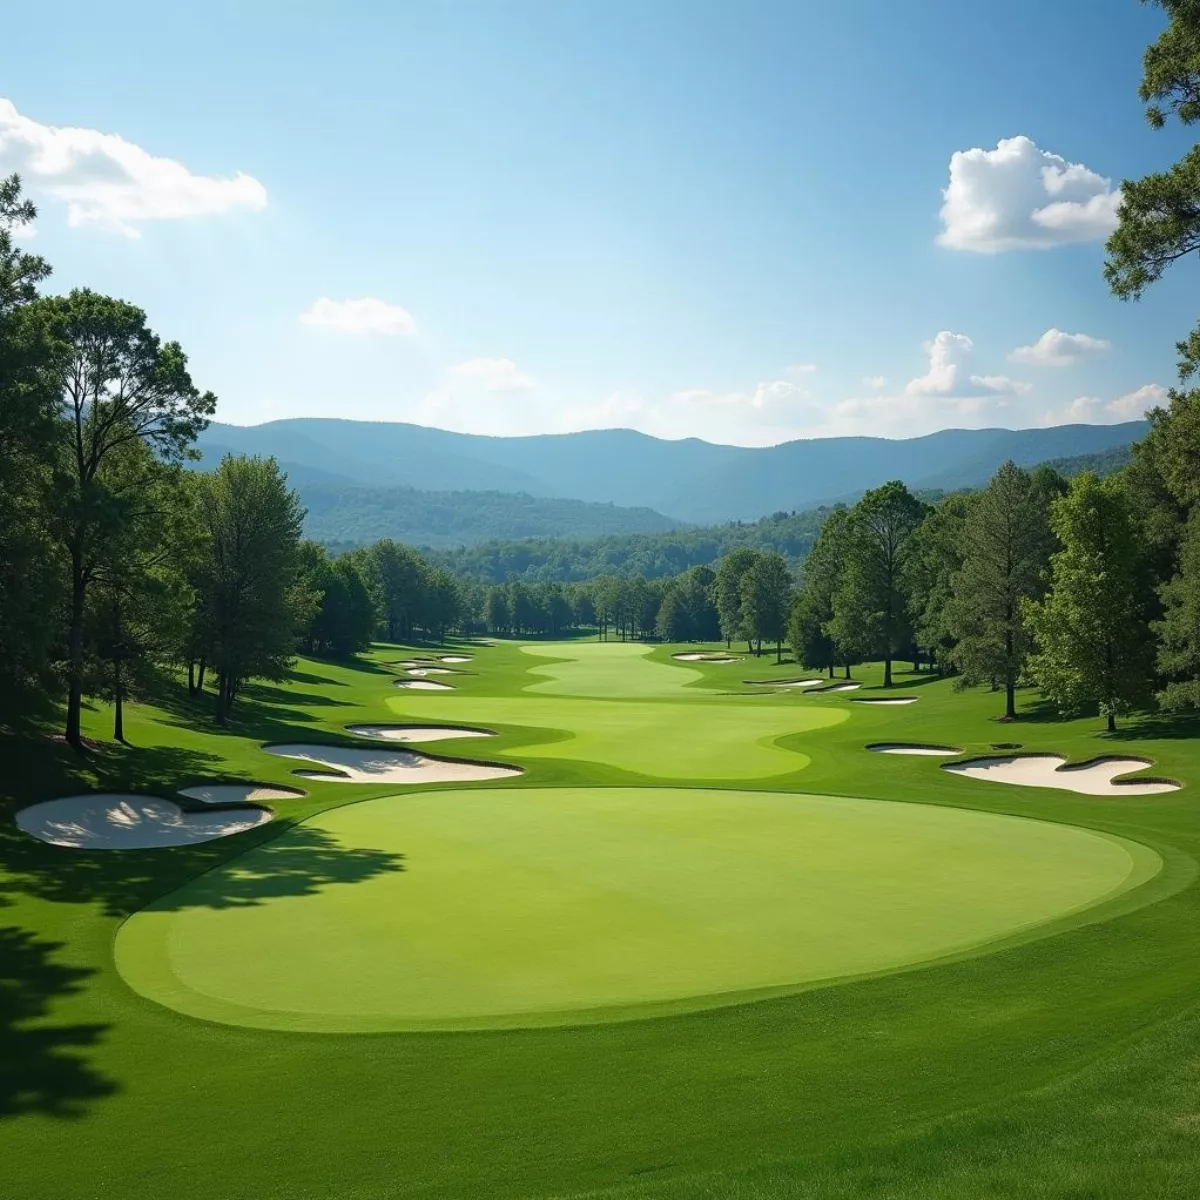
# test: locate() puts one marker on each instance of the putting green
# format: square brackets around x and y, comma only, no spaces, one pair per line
[559,905]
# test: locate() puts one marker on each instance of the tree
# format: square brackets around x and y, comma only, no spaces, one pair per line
[1179,629]
[1159,217]
[870,612]
[139,599]
[341,616]
[766,600]
[1007,543]
[31,579]
[1093,640]
[810,631]
[118,383]
[495,610]
[935,556]
[254,599]
[729,592]
[400,578]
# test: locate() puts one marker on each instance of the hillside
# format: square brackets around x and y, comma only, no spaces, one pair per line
[351,515]
[687,480]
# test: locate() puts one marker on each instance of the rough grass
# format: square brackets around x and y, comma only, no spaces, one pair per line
[1066,1066]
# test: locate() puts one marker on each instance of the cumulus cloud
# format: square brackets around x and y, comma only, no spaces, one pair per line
[1092,410]
[365,315]
[110,183]
[1020,197]
[875,381]
[948,353]
[492,375]
[1057,349]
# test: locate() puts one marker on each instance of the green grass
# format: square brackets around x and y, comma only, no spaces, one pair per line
[1061,1065]
[548,905]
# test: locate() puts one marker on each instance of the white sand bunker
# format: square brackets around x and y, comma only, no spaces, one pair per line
[427,685]
[789,683]
[422,671]
[456,658]
[913,748]
[238,793]
[118,822]
[842,687]
[1095,778]
[416,733]
[409,663]
[344,764]
[708,658]
[883,700]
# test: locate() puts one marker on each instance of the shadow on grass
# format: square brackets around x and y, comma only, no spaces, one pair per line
[43,1068]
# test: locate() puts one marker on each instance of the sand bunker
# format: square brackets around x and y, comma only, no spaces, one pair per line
[1095,778]
[882,700]
[428,685]
[913,748]
[238,793]
[416,733]
[430,671]
[708,658]
[344,764]
[103,821]
[792,683]
[456,658]
[842,687]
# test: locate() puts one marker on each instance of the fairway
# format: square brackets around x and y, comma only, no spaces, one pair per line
[610,670]
[555,905]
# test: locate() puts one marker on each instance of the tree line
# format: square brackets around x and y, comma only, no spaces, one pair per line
[119,565]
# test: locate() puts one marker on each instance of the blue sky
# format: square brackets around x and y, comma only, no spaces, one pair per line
[719,220]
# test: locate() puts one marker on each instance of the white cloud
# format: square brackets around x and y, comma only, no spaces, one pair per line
[875,381]
[1001,384]
[492,374]
[1057,349]
[800,368]
[1092,410]
[365,315]
[110,183]
[1020,197]
[947,352]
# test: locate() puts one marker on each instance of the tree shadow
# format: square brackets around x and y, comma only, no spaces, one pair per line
[301,862]
[1167,726]
[42,1067]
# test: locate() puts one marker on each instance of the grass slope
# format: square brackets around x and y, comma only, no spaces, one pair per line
[1058,1066]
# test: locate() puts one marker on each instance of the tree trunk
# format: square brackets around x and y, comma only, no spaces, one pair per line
[191,676]
[778,653]
[847,670]
[831,670]
[221,715]
[887,670]
[73,732]
[200,674]
[1112,721]
[118,703]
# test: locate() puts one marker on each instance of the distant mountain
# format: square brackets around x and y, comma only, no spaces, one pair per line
[689,480]
[352,515]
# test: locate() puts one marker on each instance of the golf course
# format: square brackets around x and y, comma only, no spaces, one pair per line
[637,927]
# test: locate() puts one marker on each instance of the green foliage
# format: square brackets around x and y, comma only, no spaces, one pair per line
[810,625]
[870,610]
[1094,647]
[341,617]
[1171,66]
[254,600]
[1006,546]
[1179,629]
[729,592]
[934,559]
[688,612]
[766,599]
[118,384]
[31,582]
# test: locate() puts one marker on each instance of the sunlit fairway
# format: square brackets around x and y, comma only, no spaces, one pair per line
[555,905]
